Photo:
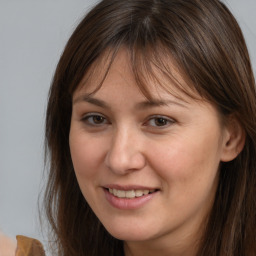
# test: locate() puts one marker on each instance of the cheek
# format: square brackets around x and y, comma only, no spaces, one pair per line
[183,162]
[189,176]
[86,156]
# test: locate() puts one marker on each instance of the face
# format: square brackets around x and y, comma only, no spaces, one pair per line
[149,170]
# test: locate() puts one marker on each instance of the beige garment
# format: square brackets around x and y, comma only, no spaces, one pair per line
[7,246]
[29,247]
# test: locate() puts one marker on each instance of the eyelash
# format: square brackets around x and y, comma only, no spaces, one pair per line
[90,119]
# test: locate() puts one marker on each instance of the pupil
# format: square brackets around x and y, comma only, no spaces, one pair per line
[160,121]
[98,119]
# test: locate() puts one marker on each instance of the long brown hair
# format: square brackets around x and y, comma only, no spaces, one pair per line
[207,45]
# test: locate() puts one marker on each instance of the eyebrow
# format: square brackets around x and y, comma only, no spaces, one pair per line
[89,99]
[158,103]
[140,106]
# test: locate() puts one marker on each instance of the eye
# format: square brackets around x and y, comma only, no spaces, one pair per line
[94,119]
[160,121]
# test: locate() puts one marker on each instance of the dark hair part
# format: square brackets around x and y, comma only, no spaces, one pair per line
[206,44]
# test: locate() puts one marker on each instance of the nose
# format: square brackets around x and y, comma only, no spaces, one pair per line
[125,153]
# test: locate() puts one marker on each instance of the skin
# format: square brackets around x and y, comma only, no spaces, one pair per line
[7,245]
[175,147]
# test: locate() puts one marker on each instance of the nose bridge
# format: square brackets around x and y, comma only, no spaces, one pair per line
[125,151]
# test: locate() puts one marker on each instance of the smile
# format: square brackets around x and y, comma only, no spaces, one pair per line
[130,193]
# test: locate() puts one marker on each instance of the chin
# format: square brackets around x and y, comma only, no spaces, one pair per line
[130,233]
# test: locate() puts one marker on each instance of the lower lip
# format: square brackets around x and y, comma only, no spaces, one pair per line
[128,203]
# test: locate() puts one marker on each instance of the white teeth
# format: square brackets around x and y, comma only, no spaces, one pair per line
[130,193]
[120,193]
[138,193]
[115,192]
[145,192]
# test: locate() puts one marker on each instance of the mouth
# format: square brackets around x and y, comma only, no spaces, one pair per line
[129,197]
[130,194]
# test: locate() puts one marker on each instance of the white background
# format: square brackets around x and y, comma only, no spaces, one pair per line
[33,34]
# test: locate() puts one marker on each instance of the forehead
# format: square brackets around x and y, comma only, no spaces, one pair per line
[153,76]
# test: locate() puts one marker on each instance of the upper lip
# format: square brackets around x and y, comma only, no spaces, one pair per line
[129,187]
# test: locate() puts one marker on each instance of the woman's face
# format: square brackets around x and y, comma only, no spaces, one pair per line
[148,170]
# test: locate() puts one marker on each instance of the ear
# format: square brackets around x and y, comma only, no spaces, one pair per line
[233,141]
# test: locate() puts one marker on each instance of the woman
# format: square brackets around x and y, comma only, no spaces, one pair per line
[151,133]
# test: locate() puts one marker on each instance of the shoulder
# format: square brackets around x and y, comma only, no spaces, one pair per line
[7,246]
[27,246]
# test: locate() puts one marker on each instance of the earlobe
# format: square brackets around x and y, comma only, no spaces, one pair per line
[234,140]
